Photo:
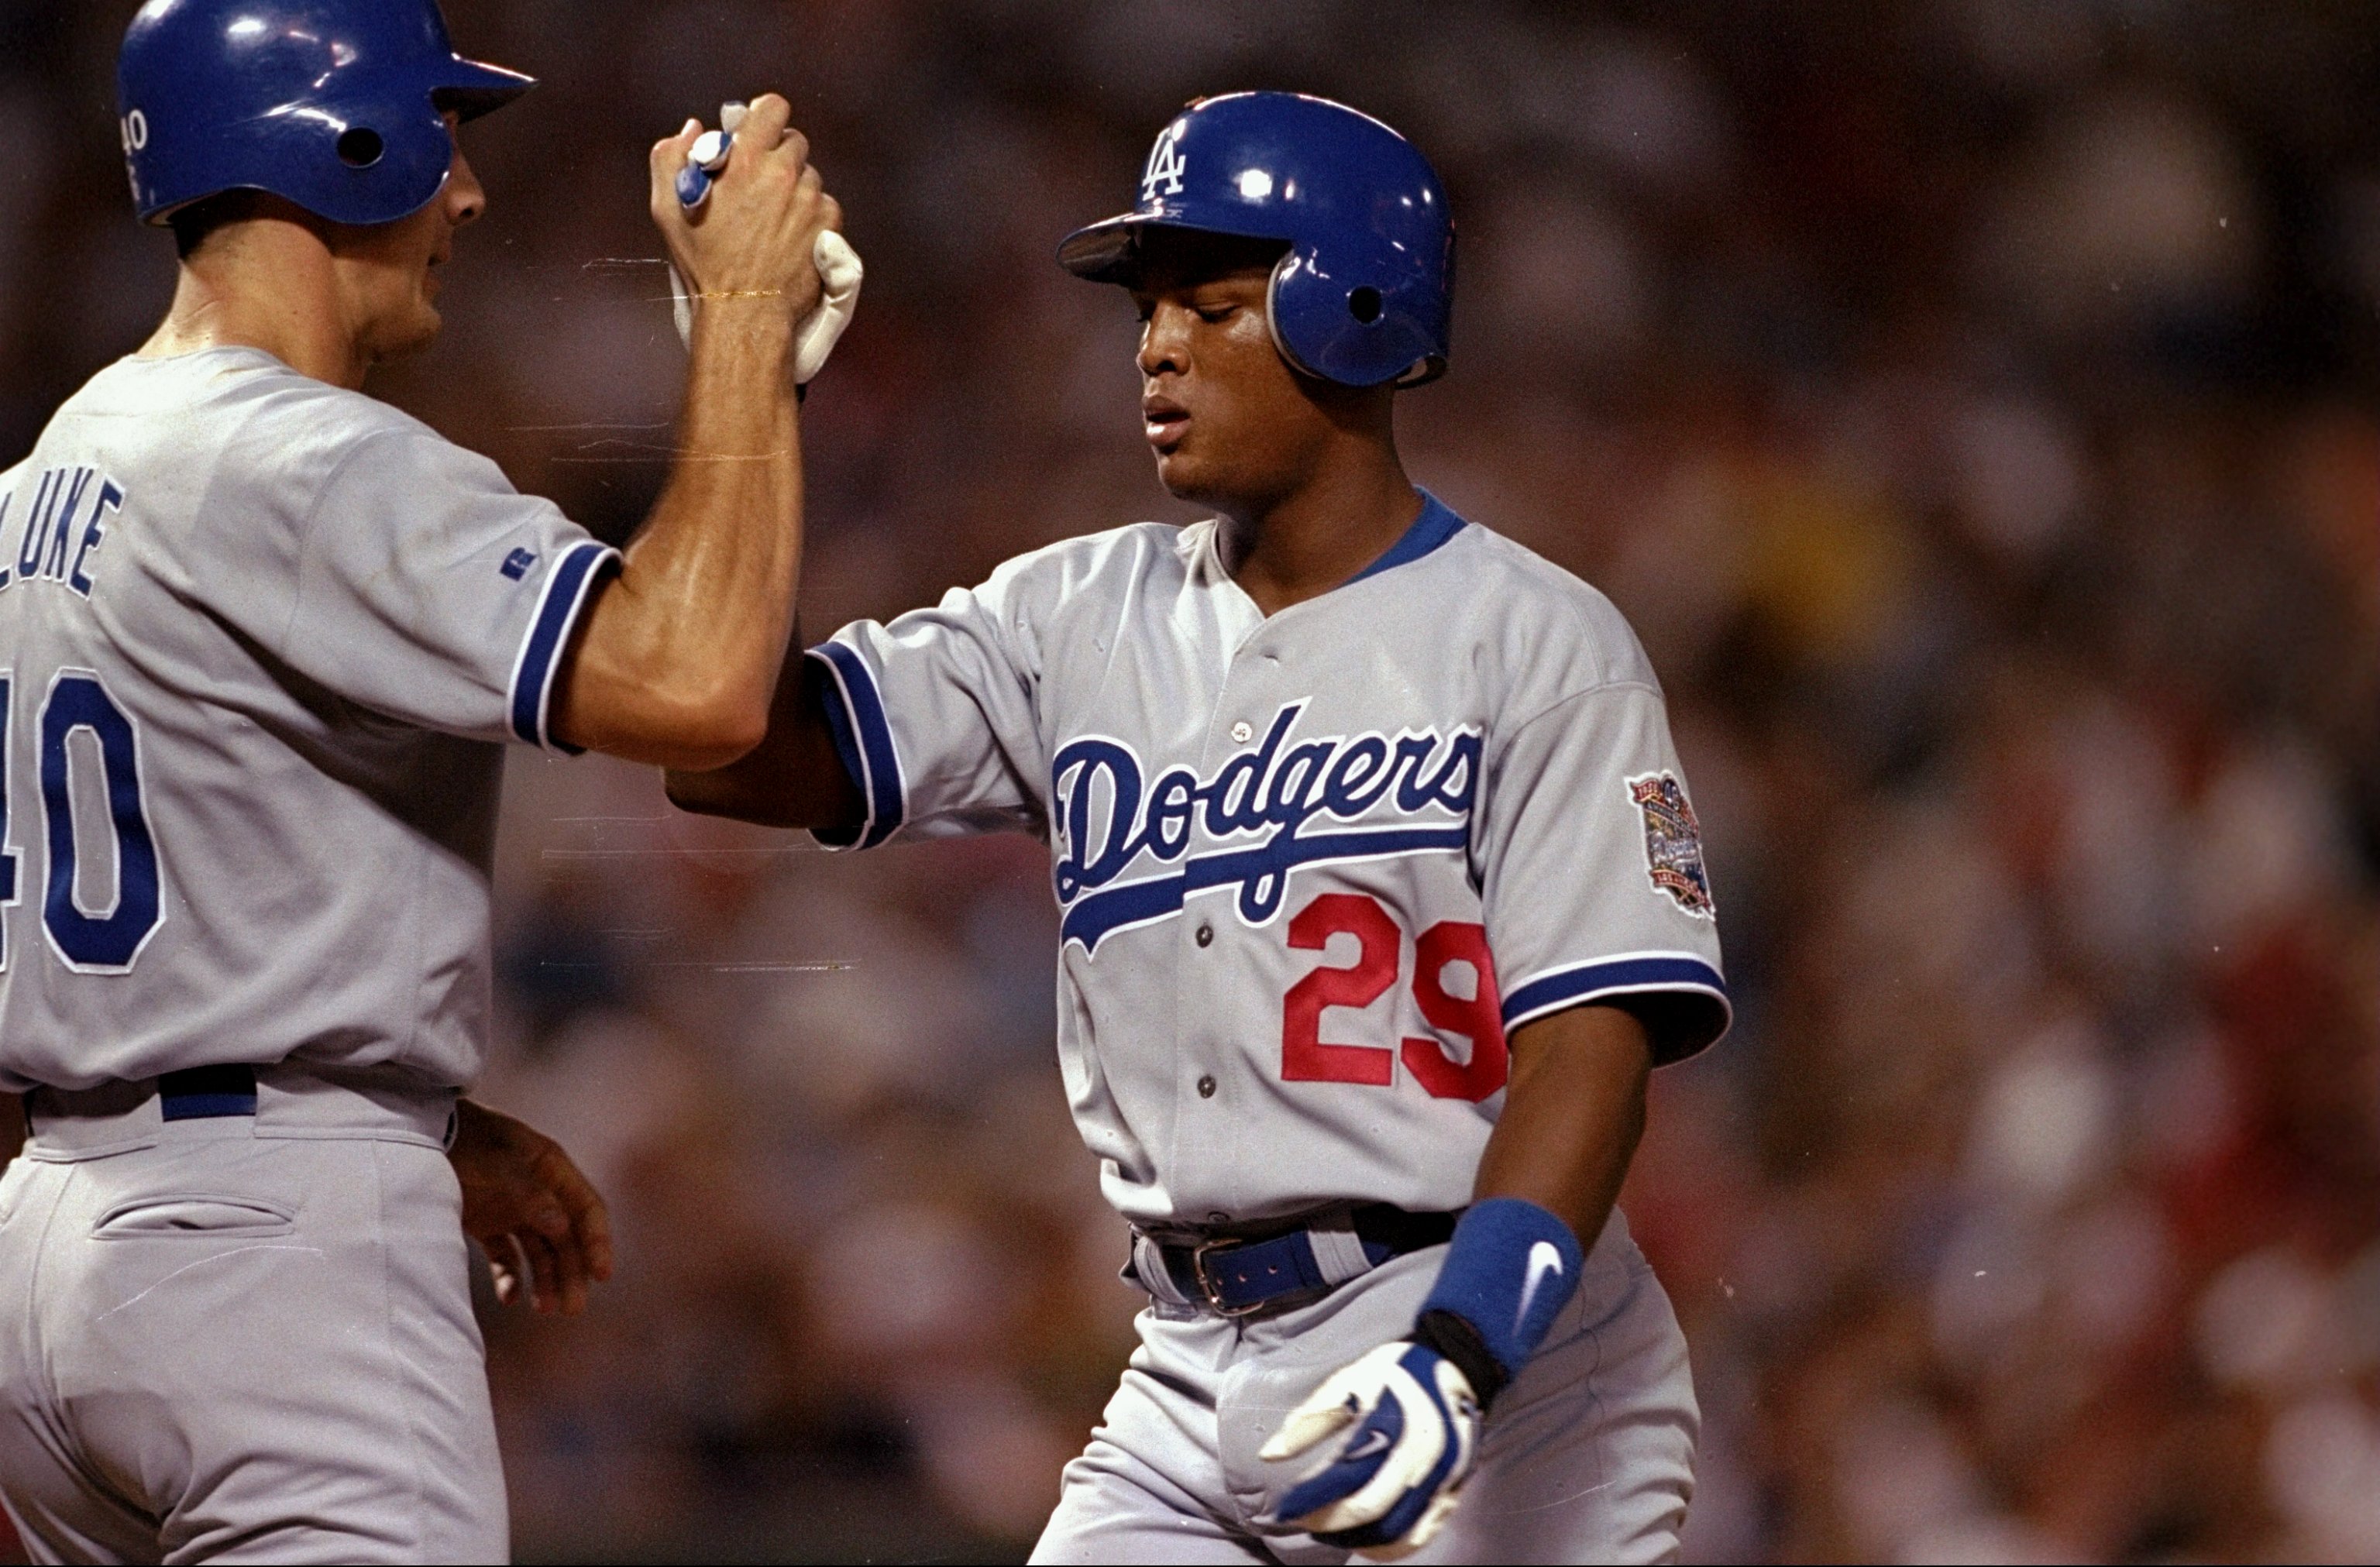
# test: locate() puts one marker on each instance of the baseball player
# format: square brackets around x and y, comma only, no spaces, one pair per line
[1381,895]
[261,641]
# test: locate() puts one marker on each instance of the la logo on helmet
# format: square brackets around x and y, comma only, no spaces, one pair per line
[1166,165]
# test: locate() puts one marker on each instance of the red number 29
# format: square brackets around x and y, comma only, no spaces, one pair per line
[1306,1058]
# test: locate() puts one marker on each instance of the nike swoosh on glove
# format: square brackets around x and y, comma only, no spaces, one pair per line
[1391,1483]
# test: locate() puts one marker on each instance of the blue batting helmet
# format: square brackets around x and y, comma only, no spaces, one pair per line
[335,105]
[1365,291]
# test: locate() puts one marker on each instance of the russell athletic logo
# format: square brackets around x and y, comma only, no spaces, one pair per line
[1266,810]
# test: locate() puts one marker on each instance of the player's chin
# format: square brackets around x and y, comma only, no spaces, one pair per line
[1186,478]
[411,335]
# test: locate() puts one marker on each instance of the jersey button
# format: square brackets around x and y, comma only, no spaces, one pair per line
[1206,935]
[1206,1087]
[1242,731]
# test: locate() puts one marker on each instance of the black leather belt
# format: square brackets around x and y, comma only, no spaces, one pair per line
[196,1093]
[1236,1276]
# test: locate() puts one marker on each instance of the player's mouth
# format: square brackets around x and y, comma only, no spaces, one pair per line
[1164,421]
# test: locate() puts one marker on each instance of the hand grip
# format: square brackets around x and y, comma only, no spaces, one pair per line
[839,268]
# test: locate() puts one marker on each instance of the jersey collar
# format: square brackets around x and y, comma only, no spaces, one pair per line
[1437,524]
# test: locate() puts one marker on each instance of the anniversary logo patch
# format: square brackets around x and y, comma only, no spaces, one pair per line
[1673,842]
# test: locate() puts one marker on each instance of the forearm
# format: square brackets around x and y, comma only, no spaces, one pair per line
[1574,1109]
[676,660]
[793,778]
[1574,1113]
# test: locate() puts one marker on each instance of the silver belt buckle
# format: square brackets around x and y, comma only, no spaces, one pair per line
[1214,1292]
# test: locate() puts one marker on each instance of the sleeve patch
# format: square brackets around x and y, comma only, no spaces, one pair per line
[1673,842]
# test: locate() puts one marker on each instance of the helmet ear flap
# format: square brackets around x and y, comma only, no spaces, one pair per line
[1319,312]
[1291,260]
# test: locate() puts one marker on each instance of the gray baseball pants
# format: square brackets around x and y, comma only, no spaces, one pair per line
[246,1339]
[1589,1456]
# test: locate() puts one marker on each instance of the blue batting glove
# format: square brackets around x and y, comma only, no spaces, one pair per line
[1392,1483]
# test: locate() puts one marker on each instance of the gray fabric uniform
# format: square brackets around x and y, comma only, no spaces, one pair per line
[260,641]
[1313,870]
[1589,1456]
[244,1339]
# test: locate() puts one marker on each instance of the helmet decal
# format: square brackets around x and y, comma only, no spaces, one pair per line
[1162,176]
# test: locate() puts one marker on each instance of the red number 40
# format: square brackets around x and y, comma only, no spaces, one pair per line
[1306,1058]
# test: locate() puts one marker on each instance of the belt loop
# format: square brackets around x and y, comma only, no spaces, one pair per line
[1149,1267]
[1338,1251]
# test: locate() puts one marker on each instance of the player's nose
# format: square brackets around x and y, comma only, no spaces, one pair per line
[466,198]
[1164,343]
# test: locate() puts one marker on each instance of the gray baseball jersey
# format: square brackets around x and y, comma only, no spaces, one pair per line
[1313,868]
[260,640]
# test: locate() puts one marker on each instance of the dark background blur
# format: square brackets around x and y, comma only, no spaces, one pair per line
[1972,405]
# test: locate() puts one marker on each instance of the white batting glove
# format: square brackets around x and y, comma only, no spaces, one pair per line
[1392,1483]
[839,268]
[841,273]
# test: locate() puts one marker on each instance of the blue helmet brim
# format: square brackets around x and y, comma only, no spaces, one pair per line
[1108,250]
[472,88]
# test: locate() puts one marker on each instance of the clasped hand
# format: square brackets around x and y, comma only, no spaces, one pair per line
[756,239]
[529,1207]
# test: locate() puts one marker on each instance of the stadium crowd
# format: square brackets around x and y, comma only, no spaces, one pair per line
[1971,406]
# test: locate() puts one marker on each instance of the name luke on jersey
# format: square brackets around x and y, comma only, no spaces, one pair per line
[50,545]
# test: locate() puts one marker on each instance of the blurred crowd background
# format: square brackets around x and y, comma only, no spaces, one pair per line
[1973,406]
